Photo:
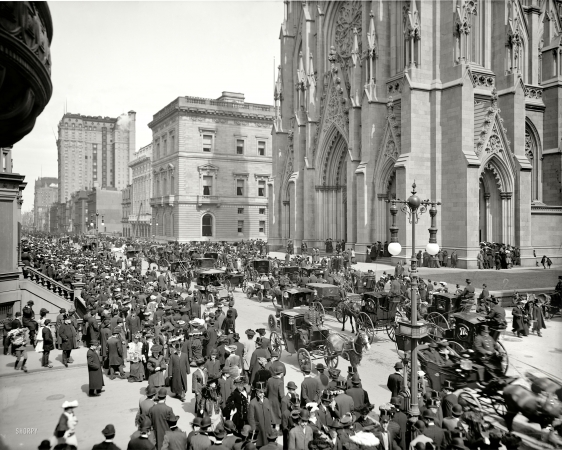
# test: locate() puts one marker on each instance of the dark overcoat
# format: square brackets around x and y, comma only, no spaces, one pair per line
[178,370]
[115,351]
[239,402]
[95,372]
[259,418]
[48,344]
[67,334]
[275,393]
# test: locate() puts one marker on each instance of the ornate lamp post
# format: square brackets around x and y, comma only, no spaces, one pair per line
[415,330]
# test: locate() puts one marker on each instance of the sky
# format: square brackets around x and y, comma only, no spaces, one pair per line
[112,57]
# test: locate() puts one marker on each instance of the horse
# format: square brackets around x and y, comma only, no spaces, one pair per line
[541,407]
[346,310]
[351,349]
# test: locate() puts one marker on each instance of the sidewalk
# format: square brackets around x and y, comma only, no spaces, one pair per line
[7,362]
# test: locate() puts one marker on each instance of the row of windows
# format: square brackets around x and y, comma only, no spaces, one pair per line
[207,226]
[241,211]
[208,145]
[208,187]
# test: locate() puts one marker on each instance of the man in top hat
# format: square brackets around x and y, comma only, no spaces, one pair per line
[310,388]
[199,379]
[322,377]
[160,414]
[260,415]
[145,404]
[334,375]
[301,434]
[178,369]
[344,402]
[432,431]
[350,372]
[357,393]
[115,354]
[109,434]
[396,381]
[487,351]
[449,398]
[326,413]
[175,438]
[451,421]
[275,393]
[95,372]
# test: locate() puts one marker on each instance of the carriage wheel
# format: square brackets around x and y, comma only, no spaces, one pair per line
[499,406]
[249,292]
[391,330]
[303,357]
[331,357]
[260,296]
[471,400]
[340,312]
[437,325]
[276,343]
[320,310]
[363,321]
[272,322]
[505,358]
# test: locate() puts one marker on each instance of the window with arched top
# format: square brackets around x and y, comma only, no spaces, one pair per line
[207,225]
[534,155]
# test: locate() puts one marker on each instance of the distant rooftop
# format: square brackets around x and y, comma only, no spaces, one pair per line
[227,102]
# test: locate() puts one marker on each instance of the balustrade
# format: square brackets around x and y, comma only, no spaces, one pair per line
[48,283]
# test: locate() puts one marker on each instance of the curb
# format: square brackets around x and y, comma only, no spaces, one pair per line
[42,369]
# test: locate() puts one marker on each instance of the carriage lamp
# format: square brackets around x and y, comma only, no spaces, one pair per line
[291,321]
[413,207]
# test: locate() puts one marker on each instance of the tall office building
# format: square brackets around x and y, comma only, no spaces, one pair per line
[46,193]
[94,151]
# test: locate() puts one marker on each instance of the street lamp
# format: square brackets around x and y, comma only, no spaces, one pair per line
[102,223]
[97,217]
[413,207]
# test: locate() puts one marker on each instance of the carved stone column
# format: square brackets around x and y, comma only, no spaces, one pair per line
[488,218]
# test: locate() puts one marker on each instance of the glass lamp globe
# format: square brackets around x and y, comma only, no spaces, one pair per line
[394,248]
[432,249]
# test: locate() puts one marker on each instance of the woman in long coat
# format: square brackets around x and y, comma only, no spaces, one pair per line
[135,356]
[520,320]
[156,367]
[95,369]
[178,370]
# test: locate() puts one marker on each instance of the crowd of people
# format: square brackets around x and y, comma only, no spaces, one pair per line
[178,345]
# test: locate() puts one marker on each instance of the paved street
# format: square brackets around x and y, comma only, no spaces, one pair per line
[38,395]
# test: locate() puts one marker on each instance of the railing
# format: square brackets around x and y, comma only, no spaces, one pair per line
[207,199]
[55,287]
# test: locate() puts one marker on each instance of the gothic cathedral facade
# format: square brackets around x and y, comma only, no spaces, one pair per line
[462,97]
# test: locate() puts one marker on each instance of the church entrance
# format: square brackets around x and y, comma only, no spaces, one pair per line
[491,220]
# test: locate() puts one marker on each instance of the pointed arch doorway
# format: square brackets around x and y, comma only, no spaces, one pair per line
[331,190]
[495,221]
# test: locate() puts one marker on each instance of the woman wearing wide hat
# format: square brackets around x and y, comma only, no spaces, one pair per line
[65,431]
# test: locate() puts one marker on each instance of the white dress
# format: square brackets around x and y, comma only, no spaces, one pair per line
[39,337]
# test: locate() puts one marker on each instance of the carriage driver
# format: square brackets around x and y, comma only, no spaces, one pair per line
[487,351]
[312,321]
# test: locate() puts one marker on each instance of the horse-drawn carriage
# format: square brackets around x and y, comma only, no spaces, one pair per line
[233,280]
[209,284]
[158,256]
[382,311]
[181,272]
[260,288]
[291,272]
[289,299]
[365,282]
[311,345]
[445,304]
[261,266]
[202,264]
[327,295]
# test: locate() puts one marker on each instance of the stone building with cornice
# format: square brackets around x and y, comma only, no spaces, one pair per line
[211,162]
[461,97]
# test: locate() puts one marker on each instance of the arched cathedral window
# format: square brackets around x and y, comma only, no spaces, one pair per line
[470,32]
[534,155]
